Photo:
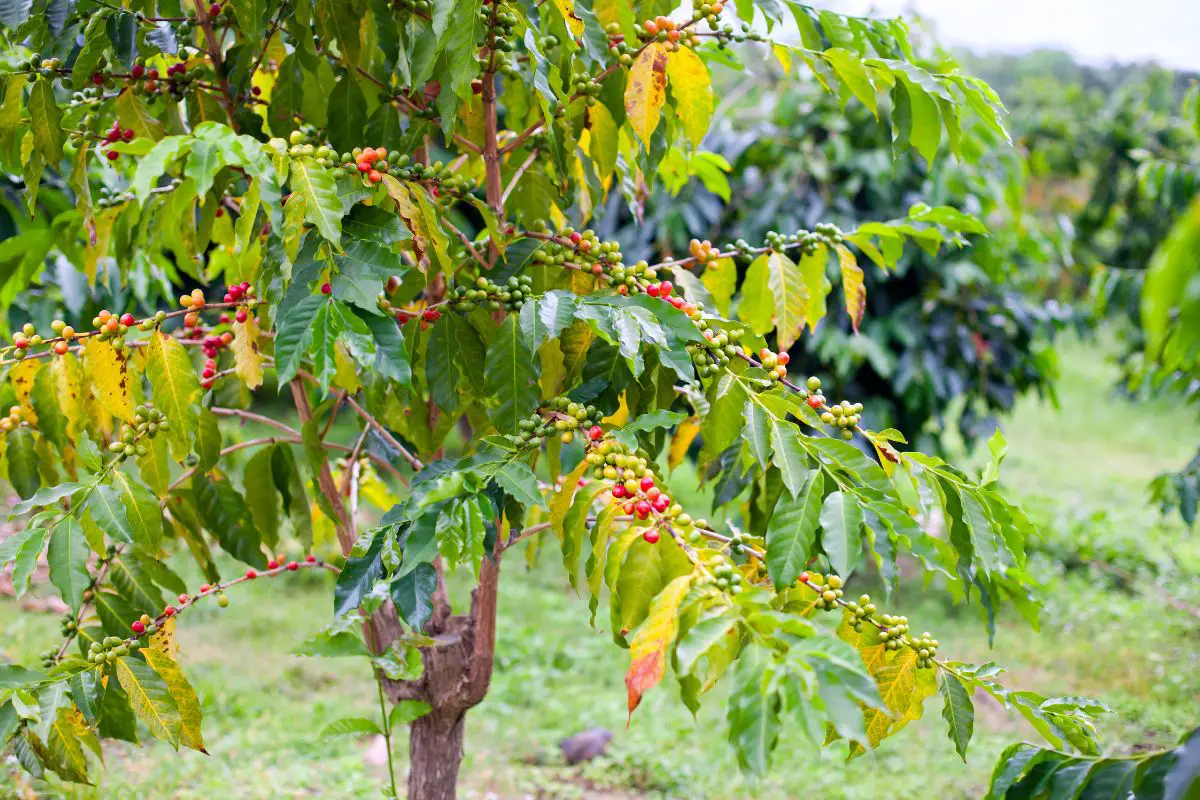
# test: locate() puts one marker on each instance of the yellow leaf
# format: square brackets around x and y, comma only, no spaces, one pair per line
[560,501]
[790,296]
[852,285]
[649,646]
[603,141]
[903,686]
[646,91]
[181,692]
[108,372]
[816,286]
[567,9]
[21,377]
[163,639]
[176,389]
[621,415]
[67,380]
[720,278]
[685,434]
[691,88]
[248,358]
[150,698]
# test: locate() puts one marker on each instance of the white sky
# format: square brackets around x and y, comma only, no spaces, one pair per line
[1096,31]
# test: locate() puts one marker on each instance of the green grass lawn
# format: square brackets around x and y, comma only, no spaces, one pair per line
[1082,469]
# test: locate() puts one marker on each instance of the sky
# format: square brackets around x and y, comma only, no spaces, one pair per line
[1096,31]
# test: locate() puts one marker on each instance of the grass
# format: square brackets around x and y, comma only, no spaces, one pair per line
[1082,469]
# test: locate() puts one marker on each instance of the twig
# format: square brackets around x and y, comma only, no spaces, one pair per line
[512,182]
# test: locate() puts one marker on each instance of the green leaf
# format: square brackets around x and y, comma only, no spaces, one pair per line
[841,531]
[341,20]
[351,726]
[347,112]
[958,711]
[853,74]
[52,422]
[14,676]
[322,206]
[132,113]
[152,165]
[225,515]
[22,459]
[108,512]
[258,482]
[176,389]
[412,594]
[295,335]
[757,432]
[151,699]
[45,117]
[789,455]
[142,509]
[181,693]
[510,377]
[757,306]
[406,711]
[792,531]
[67,556]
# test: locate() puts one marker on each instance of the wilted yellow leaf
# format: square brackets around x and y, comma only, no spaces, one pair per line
[649,646]
[112,382]
[852,285]
[646,91]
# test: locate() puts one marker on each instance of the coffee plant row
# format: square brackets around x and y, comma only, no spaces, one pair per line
[394,198]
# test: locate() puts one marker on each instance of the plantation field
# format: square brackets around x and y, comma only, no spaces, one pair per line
[1104,636]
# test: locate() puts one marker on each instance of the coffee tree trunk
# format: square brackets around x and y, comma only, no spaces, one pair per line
[435,749]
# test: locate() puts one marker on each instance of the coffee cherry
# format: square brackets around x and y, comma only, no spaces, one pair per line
[327,288]
[251,574]
[310,558]
[293,566]
[138,627]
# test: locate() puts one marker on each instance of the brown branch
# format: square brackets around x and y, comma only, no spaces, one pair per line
[512,182]
[324,476]
[214,54]
[466,242]
[387,436]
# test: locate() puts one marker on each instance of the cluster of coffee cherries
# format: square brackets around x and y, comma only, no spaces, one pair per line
[703,251]
[25,338]
[926,647]
[492,296]
[563,418]
[420,7]
[634,487]
[894,631]
[727,578]
[582,248]
[116,134]
[617,46]
[499,20]
[829,590]
[710,12]
[844,415]
[428,316]
[107,650]
[147,422]
[715,351]
[585,85]
[860,611]
[774,363]
[300,145]
[13,420]
[177,83]
[41,67]
[825,235]
[661,29]
[110,327]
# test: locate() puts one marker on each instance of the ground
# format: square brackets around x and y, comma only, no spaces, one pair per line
[1081,468]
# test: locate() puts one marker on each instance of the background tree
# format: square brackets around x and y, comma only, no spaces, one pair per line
[393,198]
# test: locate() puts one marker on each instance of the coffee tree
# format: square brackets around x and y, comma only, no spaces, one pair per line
[394,198]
